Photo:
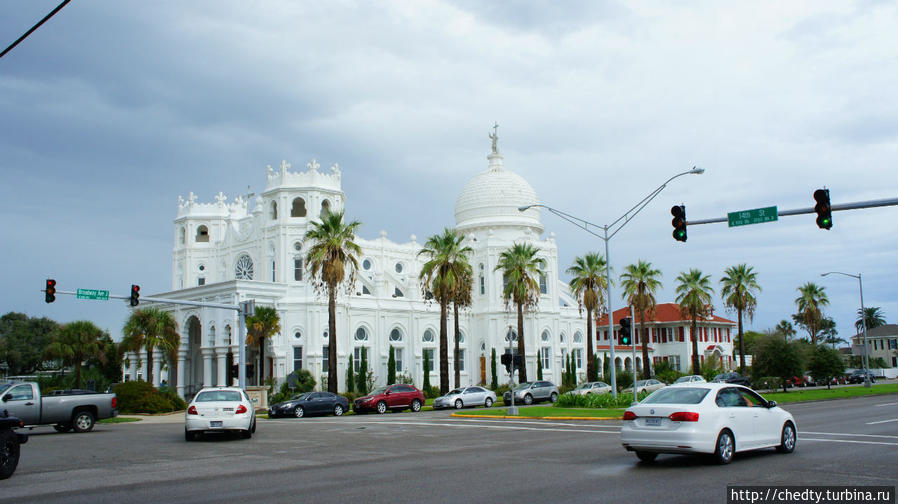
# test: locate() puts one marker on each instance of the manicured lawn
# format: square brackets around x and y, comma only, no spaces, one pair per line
[548,411]
[797,395]
[119,420]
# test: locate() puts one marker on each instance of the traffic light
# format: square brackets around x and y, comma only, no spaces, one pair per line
[50,291]
[506,361]
[624,330]
[679,222]
[135,295]
[518,362]
[823,208]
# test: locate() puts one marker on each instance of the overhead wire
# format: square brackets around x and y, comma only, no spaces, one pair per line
[35,27]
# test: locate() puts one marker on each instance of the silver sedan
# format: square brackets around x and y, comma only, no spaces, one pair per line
[592,388]
[465,397]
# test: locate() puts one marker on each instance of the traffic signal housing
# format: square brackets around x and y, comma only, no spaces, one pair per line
[679,222]
[50,291]
[625,331]
[135,295]
[506,361]
[823,208]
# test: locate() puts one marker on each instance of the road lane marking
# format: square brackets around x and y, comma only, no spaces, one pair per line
[883,421]
[532,422]
[886,404]
[849,435]
[489,425]
[847,441]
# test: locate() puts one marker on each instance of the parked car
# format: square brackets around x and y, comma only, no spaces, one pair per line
[857,376]
[219,409]
[64,409]
[732,377]
[690,379]
[649,385]
[10,442]
[713,418]
[390,398]
[595,387]
[531,392]
[465,397]
[310,403]
[804,380]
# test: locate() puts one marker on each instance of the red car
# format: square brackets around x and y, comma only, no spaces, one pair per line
[390,398]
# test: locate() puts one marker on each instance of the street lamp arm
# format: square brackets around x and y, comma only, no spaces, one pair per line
[581,223]
[840,273]
[629,214]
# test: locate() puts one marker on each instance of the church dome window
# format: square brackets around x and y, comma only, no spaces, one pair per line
[366,264]
[578,337]
[182,236]
[397,293]
[202,234]
[428,336]
[398,267]
[361,334]
[325,207]
[274,210]
[297,246]
[244,268]
[299,208]
[395,335]
[545,336]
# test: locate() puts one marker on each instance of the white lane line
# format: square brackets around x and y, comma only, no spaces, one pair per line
[883,421]
[532,422]
[847,441]
[848,435]
[886,404]
[491,425]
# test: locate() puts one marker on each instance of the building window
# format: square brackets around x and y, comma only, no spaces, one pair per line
[545,336]
[578,337]
[430,364]
[273,272]
[511,335]
[543,288]
[428,336]
[366,264]
[299,208]
[357,353]
[244,268]
[297,334]
[398,267]
[297,358]
[325,207]
[202,234]
[482,285]
[274,210]
[578,357]
[397,293]
[461,338]
[561,338]
[545,356]
[361,334]
[395,335]
[461,359]
[201,281]
[365,290]
[397,353]
[325,359]
[183,235]
[297,269]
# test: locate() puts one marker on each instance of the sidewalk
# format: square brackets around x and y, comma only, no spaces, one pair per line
[167,418]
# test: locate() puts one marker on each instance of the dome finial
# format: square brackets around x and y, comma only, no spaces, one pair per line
[494,136]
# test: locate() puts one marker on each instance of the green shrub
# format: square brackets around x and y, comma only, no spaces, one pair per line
[597,400]
[304,383]
[666,373]
[141,397]
[404,378]
[624,380]
[501,390]
[431,392]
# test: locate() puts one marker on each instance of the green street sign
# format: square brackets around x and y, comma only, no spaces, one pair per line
[756,216]
[102,295]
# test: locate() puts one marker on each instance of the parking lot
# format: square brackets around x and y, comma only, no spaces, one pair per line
[431,456]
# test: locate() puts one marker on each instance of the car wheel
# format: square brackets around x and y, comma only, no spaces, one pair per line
[647,457]
[63,427]
[299,412]
[9,453]
[489,402]
[787,439]
[246,434]
[189,436]
[253,428]
[458,404]
[83,421]
[381,407]
[553,397]
[338,410]
[528,399]
[416,405]
[726,445]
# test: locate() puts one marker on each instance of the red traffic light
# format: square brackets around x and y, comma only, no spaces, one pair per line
[50,291]
[135,295]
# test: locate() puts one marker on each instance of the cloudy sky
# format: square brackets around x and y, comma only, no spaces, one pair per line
[112,109]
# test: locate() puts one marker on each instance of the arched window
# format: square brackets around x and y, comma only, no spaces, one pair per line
[545,336]
[397,293]
[361,334]
[461,338]
[244,268]
[297,334]
[325,207]
[398,267]
[561,338]
[202,234]
[299,208]
[274,210]
[428,336]
[578,337]
[482,281]
[395,335]
[366,264]
[183,236]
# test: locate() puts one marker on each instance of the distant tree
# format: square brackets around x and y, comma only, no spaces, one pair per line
[261,326]
[520,267]
[606,366]
[826,364]
[749,337]
[350,377]
[539,369]
[828,332]
[785,329]
[775,357]
[811,300]
[426,385]
[738,288]
[694,293]
[874,317]
[23,341]
[573,370]
[494,377]
[77,342]
[110,364]
[589,284]
[391,366]
[640,282]
[149,329]
[361,382]
[595,365]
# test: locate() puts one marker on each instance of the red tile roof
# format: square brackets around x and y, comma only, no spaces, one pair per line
[623,348]
[664,312]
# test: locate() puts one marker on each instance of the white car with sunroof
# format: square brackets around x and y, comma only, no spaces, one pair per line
[219,409]
[718,419]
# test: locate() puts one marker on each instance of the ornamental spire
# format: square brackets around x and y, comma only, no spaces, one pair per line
[494,136]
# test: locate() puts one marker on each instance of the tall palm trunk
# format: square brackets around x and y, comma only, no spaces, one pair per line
[444,348]
[741,345]
[332,339]
[646,365]
[522,372]
[457,371]
[150,365]
[77,374]
[261,360]
[590,365]
[696,365]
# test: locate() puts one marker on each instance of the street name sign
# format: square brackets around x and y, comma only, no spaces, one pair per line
[102,295]
[756,216]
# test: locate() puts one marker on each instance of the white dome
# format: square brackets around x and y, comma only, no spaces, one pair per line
[491,199]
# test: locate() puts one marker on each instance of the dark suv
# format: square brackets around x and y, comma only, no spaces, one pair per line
[390,398]
[732,377]
[857,376]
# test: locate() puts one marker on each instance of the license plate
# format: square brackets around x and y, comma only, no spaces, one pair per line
[653,421]
[215,423]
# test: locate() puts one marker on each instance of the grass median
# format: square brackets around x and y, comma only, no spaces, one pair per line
[799,395]
[119,420]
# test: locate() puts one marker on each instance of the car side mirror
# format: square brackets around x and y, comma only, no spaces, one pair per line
[7,397]
[771,404]
[387,392]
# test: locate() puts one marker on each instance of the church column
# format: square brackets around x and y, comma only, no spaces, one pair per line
[132,366]
[207,366]
[182,358]
[221,354]
[157,366]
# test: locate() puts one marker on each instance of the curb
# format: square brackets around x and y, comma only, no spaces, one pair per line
[518,417]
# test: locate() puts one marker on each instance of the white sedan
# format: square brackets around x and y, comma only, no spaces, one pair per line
[650,385]
[217,409]
[592,388]
[713,418]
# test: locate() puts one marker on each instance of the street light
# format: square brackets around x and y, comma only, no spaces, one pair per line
[860,284]
[609,230]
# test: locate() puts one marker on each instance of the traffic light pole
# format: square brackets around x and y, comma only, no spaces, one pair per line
[633,342]
[512,410]
[809,210]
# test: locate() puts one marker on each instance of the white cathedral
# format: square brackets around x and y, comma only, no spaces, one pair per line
[253,248]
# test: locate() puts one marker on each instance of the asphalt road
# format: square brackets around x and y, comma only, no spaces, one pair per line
[430,457]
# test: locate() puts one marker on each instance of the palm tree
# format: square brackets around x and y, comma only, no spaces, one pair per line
[738,288]
[694,293]
[331,253]
[443,275]
[521,268]
[785,329]
[151,328]
[874,317]
[640,282]
[589,284]
[264,324]
[461,298]
[810,303]
[77,342]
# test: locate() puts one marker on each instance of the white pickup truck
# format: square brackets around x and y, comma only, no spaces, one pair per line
[64,409]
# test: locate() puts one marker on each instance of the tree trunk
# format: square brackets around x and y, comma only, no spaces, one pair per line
[77,374]
[444,347]
[261,361]
[741,345]
[522,372]
[696,365]
[150,365]
[590,364]
[457,371]
[646,365]
[332,339]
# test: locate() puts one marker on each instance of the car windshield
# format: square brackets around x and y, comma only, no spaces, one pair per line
[217,395]
[4,387]
[523,386]
[583,386]
[379,390]
[677,395]
[641,383]
[301,397]
[684,379]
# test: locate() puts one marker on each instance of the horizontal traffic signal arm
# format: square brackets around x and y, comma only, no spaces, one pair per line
[810,210]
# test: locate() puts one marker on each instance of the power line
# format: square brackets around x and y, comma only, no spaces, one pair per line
[35,27]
